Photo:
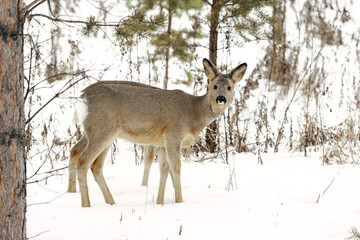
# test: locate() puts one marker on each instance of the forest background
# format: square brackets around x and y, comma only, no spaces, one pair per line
[300,94]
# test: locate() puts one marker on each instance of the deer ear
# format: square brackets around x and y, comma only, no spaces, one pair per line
[237,73]
[210,69]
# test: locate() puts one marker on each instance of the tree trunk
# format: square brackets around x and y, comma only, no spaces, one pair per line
[212,129]
[214,23]
[12,123]
[167,51]
[278,70]
[278,61]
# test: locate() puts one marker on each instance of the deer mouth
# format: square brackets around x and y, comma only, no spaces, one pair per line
[221,100]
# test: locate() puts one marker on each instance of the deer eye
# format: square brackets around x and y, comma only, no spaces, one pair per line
[215,87]
[229,88]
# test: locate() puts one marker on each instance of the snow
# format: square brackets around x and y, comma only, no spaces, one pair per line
[289,197]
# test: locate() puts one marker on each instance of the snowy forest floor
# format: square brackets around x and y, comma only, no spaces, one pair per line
[289,197]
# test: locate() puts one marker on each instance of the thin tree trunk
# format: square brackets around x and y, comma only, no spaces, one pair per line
[167,52]
[214,23]
[12,123]
[212,129]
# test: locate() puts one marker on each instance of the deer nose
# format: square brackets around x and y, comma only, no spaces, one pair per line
[221,100]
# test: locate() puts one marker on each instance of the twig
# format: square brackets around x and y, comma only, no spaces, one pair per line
[281,130]
[226,142]
[207,2]
[55,76]
[54,170]
[37,170]
[180,231]
[26,9]
[54,97]
[44,179]
[38,234]
[29,78]
[317,201]
[56,155]
[328,186]
[232,177]
[33,204]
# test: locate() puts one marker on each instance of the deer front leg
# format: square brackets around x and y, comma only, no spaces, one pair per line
[164,172]
[149,154]
[174,159]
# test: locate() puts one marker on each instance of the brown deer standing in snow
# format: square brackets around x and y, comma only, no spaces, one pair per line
[164,119]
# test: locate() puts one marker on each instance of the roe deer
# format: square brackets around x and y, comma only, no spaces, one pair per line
[164,119]
[149,155]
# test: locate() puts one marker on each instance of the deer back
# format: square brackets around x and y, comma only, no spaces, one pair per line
[140,113]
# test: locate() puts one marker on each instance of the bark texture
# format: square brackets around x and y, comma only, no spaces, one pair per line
[167,51]
[12,123]
[212,129]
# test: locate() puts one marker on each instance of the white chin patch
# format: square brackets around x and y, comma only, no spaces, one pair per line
[221,103]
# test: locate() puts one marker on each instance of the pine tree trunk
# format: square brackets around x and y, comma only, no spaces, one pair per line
[277,71]
[214,23]
[167,52]
[12,123]
[279,47]
[212,129]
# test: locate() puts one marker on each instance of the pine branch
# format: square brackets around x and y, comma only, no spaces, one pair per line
[96,23]
[137,24]
[56,19]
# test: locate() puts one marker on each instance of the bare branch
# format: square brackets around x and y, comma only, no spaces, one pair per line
[281,130]
[207,2]
[54,170]
[26,9]
[54,97]
[55,76]
[29,79]
[38,234]
[37,170]
[47,201]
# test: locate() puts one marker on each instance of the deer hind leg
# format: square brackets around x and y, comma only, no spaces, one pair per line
[97,170]
[173,158]
[74,156]
[164,172]
[93,149]
[149,154]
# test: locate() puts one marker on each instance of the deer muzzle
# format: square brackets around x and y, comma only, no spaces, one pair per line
[221,100]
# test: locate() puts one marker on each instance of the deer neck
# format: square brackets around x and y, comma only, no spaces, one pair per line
[208,113]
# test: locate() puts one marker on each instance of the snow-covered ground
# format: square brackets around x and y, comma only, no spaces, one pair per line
[289,197]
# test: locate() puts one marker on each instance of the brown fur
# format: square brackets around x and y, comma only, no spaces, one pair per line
[164,119]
